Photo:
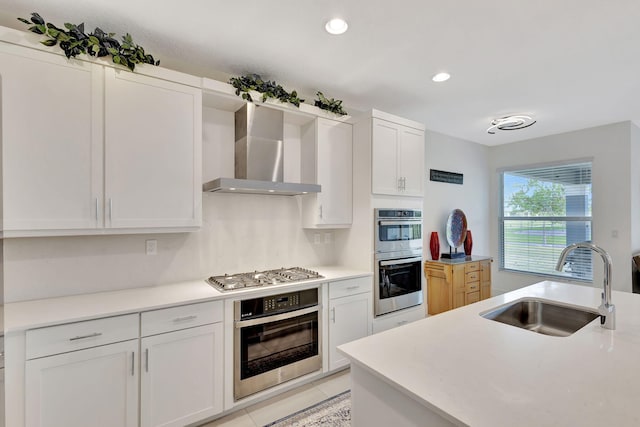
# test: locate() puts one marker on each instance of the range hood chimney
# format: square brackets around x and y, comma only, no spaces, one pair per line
[259,156]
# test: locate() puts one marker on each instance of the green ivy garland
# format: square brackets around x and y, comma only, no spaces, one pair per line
[73,41]
[329,104]
[270,89]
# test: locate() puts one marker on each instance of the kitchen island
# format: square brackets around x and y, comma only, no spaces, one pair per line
[458,368]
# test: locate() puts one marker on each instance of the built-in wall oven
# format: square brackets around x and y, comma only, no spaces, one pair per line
[398,259]
[276,338]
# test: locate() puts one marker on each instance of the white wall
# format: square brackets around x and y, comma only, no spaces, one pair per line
[472,160]
[609,148]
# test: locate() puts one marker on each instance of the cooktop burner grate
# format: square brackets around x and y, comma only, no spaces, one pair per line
[230,282]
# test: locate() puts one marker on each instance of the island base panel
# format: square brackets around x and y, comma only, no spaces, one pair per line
[376,403]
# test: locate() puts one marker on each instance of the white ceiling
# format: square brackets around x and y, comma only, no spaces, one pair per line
[572,64]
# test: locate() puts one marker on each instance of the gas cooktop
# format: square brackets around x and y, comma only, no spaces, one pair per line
[230,282]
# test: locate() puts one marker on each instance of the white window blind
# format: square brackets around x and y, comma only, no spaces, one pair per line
[543,210]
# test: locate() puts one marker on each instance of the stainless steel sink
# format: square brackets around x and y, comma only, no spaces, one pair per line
[542,316]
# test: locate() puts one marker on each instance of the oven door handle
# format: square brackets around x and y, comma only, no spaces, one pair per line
[276,318]
[402,261]
[406,222]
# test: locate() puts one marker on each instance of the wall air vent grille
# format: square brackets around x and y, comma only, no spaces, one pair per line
[510,123]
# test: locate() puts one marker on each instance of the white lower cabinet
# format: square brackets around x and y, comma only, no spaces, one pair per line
[96,386]
[350,315]
[156,368]
[2,392]
[398,318]
[181,380]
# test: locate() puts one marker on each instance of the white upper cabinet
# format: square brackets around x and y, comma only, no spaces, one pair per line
[51,141]
[397,159]
[327,151]
[88,149]
[153,140]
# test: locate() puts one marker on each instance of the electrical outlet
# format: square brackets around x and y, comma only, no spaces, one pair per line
[316,238]
[614,234]
[152,247]
[327,238]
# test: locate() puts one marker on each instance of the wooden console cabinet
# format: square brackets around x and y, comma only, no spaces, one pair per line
[454,283]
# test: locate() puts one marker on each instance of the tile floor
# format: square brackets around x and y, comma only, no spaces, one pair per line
[287,403]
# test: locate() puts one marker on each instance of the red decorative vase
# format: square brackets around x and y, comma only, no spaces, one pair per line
[434,246]
[468,243]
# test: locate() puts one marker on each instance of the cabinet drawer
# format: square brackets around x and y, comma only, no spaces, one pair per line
[471,266]
[350,287]
[472,297]
[472,287]
[472,276]
[76,336]
[181,317]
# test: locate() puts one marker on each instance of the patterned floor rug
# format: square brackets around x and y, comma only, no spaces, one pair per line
[333,412]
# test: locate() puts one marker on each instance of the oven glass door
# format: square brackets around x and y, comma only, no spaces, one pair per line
[393,231]
[399,277]
[271,345]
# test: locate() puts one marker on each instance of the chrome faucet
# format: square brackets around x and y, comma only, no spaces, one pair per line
[606,310]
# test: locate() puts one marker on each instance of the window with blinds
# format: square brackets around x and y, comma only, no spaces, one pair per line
[543,210]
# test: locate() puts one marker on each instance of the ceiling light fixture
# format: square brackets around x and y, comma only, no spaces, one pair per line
[510,123]
[441,77]
[336,26]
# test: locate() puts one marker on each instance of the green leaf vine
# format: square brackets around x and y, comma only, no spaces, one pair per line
[270,89]
[73,41]
[267,88]
[329,104]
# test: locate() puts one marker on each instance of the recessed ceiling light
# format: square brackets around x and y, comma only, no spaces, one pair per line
[441,77]
[336,26]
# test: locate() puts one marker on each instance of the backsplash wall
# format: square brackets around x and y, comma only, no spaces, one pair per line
[239,233]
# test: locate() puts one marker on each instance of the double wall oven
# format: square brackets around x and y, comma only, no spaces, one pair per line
[398,259]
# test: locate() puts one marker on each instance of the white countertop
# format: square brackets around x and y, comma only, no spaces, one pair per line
[480,372]
[51,311]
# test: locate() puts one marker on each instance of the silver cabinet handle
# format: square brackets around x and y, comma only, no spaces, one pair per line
[320,211]
[403,322]
[93,335]
[133,363]
[110,209]
[352,288]
[333,314]
[184,319]
[97,207]
[146,360]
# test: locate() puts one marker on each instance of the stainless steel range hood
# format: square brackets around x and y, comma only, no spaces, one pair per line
[259,156]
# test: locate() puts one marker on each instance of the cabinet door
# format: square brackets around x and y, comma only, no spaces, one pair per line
[411,159]
[153,142]
[458,284]
[2,393]
[384,157]
[485,279]
[349,319]
[439,292]
[96,387]
[181,376]
[51,132]
[334,169]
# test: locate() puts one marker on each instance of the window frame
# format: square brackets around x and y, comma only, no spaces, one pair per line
[502,218]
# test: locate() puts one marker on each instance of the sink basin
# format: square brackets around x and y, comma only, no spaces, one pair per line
[541,316]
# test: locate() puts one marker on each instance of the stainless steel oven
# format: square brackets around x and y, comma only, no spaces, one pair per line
[398,281]
[398,230]
[398,259]
[276,339]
